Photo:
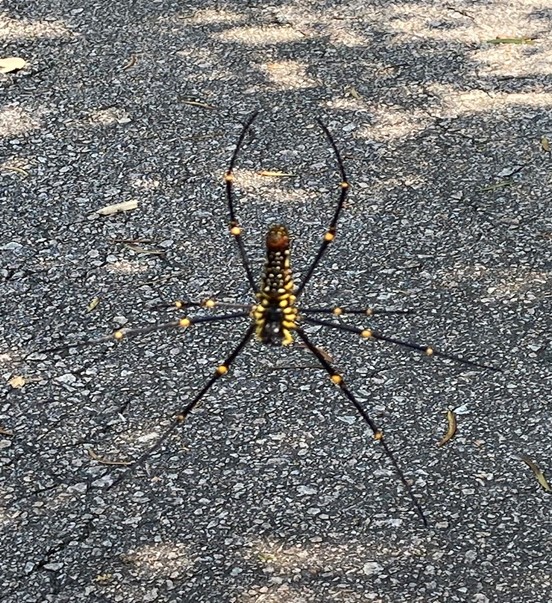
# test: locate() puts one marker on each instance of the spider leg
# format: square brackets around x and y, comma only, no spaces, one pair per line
[329,236]
[339,311]
[235,228]
[425,349]
[120,334]
[337,379]
[180,417]
[180,304]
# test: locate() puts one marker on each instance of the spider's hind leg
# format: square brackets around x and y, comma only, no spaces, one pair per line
[338,380]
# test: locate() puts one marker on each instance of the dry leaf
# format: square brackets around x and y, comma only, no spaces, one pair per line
[275,174]
[537,472]
[352,91]
[95,457]
[494,187]
[511,41]
[130,63]
[13,168]
[93,304]
[451,431]
[197,104]
[109,210]
[17,382]
[10,64]
[5,432]
[545,144]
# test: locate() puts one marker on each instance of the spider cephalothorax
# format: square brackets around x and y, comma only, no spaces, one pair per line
[275,313]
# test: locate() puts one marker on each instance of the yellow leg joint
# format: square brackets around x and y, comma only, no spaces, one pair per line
[337,379]
[329,237]
[222,369]
[337,311]
[209,303]
[118,335]
[378,435]
[228,177]
[344,184]
[429,351]
[235,231]
[184,323]
[366,333]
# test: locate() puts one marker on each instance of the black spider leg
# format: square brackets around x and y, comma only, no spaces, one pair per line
[330,233]
[425,349]
[337,379]
[120,334]
[339,311]
[181,304]
[235,228]
[180,417]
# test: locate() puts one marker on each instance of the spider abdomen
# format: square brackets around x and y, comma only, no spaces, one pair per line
[275,313]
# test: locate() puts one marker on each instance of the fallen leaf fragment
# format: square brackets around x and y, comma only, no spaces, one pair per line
[537,472]
[17,382]
[98,458]
[198,104]
[10,64]
[13,168]
[451,431]
[352,91]
[275,174]
[545,144]
[494,187]
[93,304]
[5,432]
[511,41]
[130,63]
[143,250]
[109,210]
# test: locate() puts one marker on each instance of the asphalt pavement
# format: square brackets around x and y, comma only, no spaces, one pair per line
[274,491]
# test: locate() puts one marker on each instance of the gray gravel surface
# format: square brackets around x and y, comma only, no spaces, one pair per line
[273,491]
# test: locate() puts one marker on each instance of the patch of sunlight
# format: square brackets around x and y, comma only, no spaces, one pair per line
[109,116]
[209,16]
[348,104]
[261,36]
[13,30]
[458,102]
[514,60]
[159,560]
[389,123]
[288,75]
[15,121]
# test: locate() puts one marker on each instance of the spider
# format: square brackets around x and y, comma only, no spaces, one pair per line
[276,318]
